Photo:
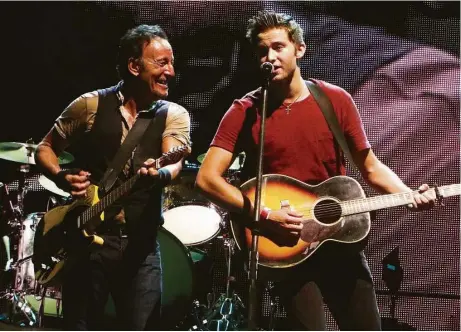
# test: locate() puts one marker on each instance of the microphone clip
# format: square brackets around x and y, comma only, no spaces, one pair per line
[266,71]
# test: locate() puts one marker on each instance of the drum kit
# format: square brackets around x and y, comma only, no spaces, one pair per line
[26,300]
[192,227]
[199,225]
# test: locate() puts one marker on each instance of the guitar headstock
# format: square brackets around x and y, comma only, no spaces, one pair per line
[174,155]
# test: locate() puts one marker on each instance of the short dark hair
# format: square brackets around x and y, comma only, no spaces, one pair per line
[268,19]
[132,44]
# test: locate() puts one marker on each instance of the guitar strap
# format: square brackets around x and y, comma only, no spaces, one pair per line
[332,120]
[143,119]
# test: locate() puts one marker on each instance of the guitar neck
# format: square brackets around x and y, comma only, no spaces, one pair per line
[114,195]
[392,200]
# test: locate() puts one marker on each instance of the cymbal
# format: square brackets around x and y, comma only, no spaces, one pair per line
[24,153]
[51,186]
[237,164]
[201,158]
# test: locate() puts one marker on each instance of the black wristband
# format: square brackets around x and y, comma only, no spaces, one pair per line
[60,178]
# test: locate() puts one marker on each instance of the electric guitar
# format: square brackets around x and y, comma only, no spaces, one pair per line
[65,231]
[334,210]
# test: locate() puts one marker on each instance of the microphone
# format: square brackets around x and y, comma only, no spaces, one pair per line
[266,69]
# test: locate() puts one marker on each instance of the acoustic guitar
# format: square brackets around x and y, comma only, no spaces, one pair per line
[334,210]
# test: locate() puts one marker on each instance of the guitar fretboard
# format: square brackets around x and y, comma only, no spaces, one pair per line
[109,199]
[392,200]
[121,190]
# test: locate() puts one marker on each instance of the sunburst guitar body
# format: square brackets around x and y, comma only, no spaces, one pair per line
[334,210]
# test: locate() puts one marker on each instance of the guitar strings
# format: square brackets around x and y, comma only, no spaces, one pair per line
[328,207]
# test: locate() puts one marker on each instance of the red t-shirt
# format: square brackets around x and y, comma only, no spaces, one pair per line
[299,143]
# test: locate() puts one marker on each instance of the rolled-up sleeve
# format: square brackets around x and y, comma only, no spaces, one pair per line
[78,117]
[177,124]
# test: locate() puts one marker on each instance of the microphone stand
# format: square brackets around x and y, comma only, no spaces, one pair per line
[252,303]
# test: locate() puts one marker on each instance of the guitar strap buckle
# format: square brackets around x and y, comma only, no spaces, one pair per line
[438,195]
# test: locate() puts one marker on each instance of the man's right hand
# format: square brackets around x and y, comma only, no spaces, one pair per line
[283,227]
[74,181]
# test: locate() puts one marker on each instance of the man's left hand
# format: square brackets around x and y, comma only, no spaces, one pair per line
[422,199]
[148,168]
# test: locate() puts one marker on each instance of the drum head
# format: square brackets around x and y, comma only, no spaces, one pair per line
[193,224]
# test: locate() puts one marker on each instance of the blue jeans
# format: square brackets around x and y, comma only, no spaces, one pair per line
[133,278]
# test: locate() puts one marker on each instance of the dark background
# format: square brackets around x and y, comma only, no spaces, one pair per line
[52,52]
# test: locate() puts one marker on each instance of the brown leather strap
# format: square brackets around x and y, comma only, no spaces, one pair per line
[330,116]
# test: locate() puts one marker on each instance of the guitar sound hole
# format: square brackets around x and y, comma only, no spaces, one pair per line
[327,211]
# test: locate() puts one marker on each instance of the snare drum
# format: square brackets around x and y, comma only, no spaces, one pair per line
[193,222]
[25,274]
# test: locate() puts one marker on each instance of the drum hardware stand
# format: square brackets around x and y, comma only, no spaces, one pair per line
[41,310]
[23,186]
[225,313]
[230,302]
[270,288]
[16,211]
[17,298]
[229,305]
[19,304]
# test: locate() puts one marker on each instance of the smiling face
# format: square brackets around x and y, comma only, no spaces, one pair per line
[275,46]
[155,68]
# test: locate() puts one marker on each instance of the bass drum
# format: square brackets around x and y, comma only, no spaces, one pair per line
[177,284]
[178,279]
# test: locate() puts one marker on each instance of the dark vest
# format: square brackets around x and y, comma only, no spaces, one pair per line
[97,148]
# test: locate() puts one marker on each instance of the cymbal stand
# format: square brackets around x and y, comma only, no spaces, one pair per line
[15,213]
[23,187]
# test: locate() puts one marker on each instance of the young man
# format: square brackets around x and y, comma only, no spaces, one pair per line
[299,144]
[96,124]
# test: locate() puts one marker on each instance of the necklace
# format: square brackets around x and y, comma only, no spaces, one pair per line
[288,107]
